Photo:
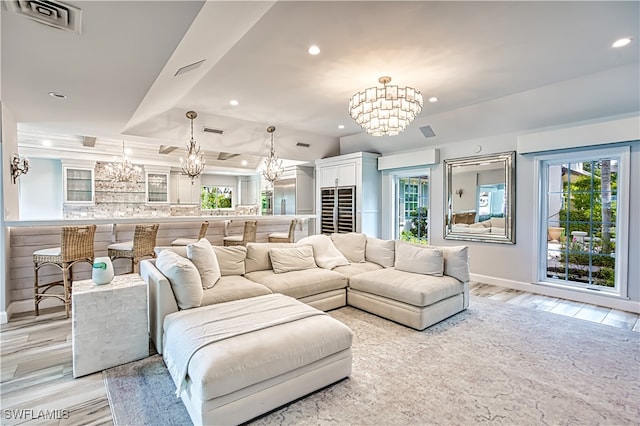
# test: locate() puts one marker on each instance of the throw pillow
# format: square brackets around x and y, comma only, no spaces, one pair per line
[456,262]
[382,252]
[327,256]
[419,259]
[203,257]
[183,277]
[230,259]
[292,259]
[351,245]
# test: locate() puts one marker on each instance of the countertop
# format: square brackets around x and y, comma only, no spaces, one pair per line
[149,219]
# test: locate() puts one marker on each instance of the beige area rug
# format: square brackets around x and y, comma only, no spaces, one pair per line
[494,363]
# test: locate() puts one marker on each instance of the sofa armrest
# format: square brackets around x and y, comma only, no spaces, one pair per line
[161,301]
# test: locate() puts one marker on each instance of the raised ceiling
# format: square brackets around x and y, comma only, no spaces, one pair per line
[495,66]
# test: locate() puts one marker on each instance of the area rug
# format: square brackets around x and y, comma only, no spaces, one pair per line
[494,363]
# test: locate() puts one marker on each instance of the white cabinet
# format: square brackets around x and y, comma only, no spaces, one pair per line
[183,191]
[78,182]
[360,170]
[338,175]
[249,190]
[157,185]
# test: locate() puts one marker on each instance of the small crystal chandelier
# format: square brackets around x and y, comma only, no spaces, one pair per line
[385,111]
[272,168]
[194,165]
[123,170]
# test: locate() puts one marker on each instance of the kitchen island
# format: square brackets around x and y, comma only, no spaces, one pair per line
[27,236]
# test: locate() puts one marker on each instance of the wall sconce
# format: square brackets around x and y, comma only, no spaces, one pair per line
[459,192]
[19,166]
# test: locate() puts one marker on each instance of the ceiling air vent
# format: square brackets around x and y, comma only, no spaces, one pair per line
[226,155]
[212,130]
[188,68]
[302,144]
[427,131]
[51,13]
[165,149]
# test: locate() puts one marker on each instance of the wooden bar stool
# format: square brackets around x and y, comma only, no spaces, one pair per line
[284,237]
[76,245]
[248,235]
[144,241]
[187,241]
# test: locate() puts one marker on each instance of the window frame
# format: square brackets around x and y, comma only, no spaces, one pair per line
[395,176]
[622,154]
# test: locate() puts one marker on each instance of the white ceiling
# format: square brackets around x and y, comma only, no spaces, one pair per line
[497,67]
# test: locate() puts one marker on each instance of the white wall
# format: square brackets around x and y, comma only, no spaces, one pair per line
[41,190]
[513,265]
[9,205]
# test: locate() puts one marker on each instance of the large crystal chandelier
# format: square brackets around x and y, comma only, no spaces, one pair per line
[272,168]
[387,110]
[122,170]
[194,164]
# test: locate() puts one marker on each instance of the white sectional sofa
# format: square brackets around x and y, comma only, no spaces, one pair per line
[365,273]
[236,337]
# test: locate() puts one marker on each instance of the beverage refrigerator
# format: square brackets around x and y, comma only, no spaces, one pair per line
[338,210]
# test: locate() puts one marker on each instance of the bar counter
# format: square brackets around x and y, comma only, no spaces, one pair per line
[27,236]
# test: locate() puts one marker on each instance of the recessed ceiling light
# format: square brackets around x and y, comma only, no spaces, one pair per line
[46,142]
[313,50]
[127,151]
[433,99]
[621,42]
[244,162]
[57,95]
[341,126]
[234,102]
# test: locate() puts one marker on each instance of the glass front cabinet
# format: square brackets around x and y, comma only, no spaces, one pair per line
[78,183]
[157,191]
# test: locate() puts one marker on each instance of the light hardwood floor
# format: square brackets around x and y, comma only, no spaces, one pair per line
[36,360]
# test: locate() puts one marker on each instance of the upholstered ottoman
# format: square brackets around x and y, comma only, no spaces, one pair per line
[236,360]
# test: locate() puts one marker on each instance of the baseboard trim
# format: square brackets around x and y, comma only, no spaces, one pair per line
[577,296]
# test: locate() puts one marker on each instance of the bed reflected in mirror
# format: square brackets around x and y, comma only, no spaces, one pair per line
[479,198]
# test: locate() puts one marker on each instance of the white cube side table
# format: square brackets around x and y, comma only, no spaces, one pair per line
[109,323]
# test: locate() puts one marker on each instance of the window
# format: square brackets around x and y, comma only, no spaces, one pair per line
[412,208]
[216,197]
[583,226]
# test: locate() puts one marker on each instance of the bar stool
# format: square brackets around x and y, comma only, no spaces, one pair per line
[187,241]
[248,235]
[144,241]
[284,237]
[76,245]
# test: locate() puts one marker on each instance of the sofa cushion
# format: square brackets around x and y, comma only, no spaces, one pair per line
[233,287]
[456,262]
[202,255]
[414,289]
[179,250]
[419,259]
[351,245]
[326,254]
[230,259]
[287,259]
[184,278]
[382,252]
[356,268]
[300,284]
[258,256]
